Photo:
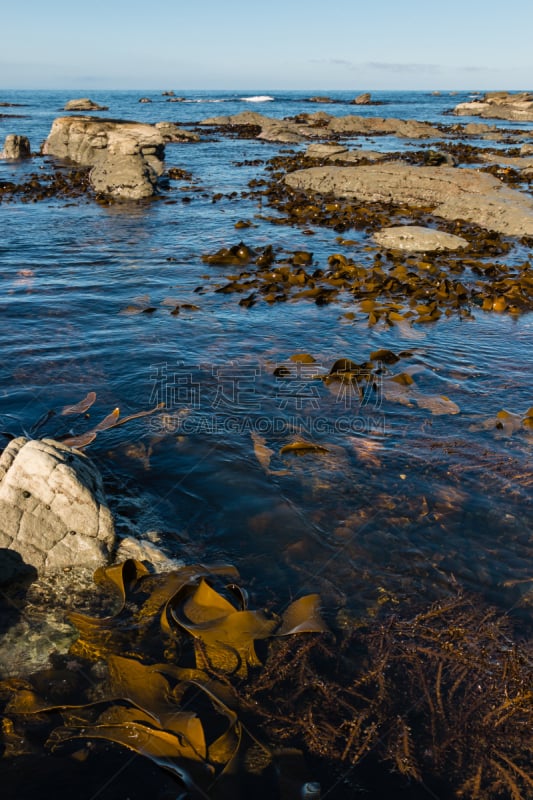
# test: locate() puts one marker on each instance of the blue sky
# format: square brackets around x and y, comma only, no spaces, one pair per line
[278,44]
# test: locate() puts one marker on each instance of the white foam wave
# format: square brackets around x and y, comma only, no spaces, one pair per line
[258,98]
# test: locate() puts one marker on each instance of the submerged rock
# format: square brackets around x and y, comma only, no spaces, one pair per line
[83,104]
[416,239]
[127,157]
[53,510]
[447,192]
[16,147]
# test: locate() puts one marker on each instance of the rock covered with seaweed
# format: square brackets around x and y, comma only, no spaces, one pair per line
[449,193]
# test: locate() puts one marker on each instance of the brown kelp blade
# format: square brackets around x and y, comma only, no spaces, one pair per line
[303,447]
[139,414]
[227,635]
[81,407]
[109,421]
[303,616]
[163,747]
[80,441]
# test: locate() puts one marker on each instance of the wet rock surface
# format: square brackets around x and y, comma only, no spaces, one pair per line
[53,511]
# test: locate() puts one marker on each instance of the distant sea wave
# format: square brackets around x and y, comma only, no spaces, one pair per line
[258,98]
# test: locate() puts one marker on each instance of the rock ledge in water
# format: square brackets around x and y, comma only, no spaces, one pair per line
[450,193]
[417,239]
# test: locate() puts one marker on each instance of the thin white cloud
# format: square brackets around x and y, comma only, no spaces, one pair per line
[392,67]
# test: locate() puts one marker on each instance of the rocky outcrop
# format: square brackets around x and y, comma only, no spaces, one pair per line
[16,147]
[127,157]
[271,130]
[127,177]
[449,193]
[318,98]
[499,105]
[406,128]
[416,239]
[173,133]
[276,130]
[83,104]
[144,100]
[53,510]
[364,99]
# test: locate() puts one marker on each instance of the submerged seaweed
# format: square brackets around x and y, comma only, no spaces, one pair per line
[205,688]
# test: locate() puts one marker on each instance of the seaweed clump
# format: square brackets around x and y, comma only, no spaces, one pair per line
[443,698]
[232,702]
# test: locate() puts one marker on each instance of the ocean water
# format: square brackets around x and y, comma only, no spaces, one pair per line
[403,503]
[69,272]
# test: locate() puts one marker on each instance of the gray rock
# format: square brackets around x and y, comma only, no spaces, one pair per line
[84,104]
[450,193]
[125,177]
[127,157]
[417,239]
[53,510]
[16,147]
[145,100]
